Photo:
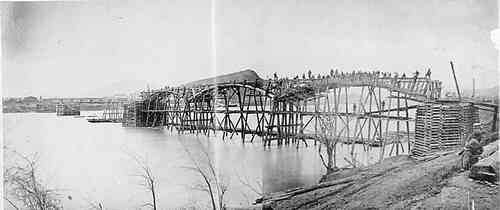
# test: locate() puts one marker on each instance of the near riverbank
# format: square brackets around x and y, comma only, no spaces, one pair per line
[395,183]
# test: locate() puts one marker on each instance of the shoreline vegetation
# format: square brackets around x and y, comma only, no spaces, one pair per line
[33,104]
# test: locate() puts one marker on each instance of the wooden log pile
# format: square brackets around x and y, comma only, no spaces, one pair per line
[131,115]
[442,127]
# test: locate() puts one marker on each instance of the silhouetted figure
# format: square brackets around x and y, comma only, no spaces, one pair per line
[472,151]
[331,72]
[303,76]
[395,78]
[309,73]
[428,74]
[275,76]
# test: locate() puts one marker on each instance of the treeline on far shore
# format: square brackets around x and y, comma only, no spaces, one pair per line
[45,107]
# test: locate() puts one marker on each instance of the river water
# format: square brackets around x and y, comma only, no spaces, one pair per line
[95,162]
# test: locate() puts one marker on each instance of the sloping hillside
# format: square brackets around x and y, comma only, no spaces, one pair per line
[396,183]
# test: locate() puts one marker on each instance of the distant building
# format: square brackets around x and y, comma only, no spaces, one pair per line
[67,109]
[30,99]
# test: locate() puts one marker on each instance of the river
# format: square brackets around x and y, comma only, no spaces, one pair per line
[95,162]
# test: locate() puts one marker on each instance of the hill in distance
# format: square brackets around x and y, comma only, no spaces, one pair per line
[248,75]
[483,92]
[121,88]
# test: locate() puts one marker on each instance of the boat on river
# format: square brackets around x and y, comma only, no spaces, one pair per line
[99,120]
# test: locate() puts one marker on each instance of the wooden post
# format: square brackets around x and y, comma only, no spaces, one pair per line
[473,87]
[407,123]
[495,119]
[456,82]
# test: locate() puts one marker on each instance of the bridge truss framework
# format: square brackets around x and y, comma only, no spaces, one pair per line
[361,110]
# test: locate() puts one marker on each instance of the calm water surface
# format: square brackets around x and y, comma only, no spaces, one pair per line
[92,162]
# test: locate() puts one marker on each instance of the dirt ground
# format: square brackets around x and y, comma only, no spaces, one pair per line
[395,183]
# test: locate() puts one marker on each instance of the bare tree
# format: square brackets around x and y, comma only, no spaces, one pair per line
[256,186]
[148,181]
[23,185]
[94,205]
[329,140]
[213,182]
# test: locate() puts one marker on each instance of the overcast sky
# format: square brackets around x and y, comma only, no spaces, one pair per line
[73,48]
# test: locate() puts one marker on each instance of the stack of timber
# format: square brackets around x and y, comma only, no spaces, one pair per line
[67,109]
[131,114]
[113,113]
[426,132]
[442,127]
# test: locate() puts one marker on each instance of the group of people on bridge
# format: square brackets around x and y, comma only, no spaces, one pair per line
[353,75]
[416,82]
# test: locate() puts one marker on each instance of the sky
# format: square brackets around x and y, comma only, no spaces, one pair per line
[291,37]
[71,49]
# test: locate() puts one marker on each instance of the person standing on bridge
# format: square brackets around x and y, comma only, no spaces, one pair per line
[415,77]
[275,76]
[309,74]
[395,81]
[428,74]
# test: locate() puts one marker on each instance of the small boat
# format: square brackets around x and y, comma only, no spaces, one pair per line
[97,120]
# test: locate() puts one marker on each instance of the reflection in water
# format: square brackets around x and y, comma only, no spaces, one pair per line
[92,162]
[286,167]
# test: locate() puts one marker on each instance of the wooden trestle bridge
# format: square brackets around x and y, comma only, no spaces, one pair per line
[364,108]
